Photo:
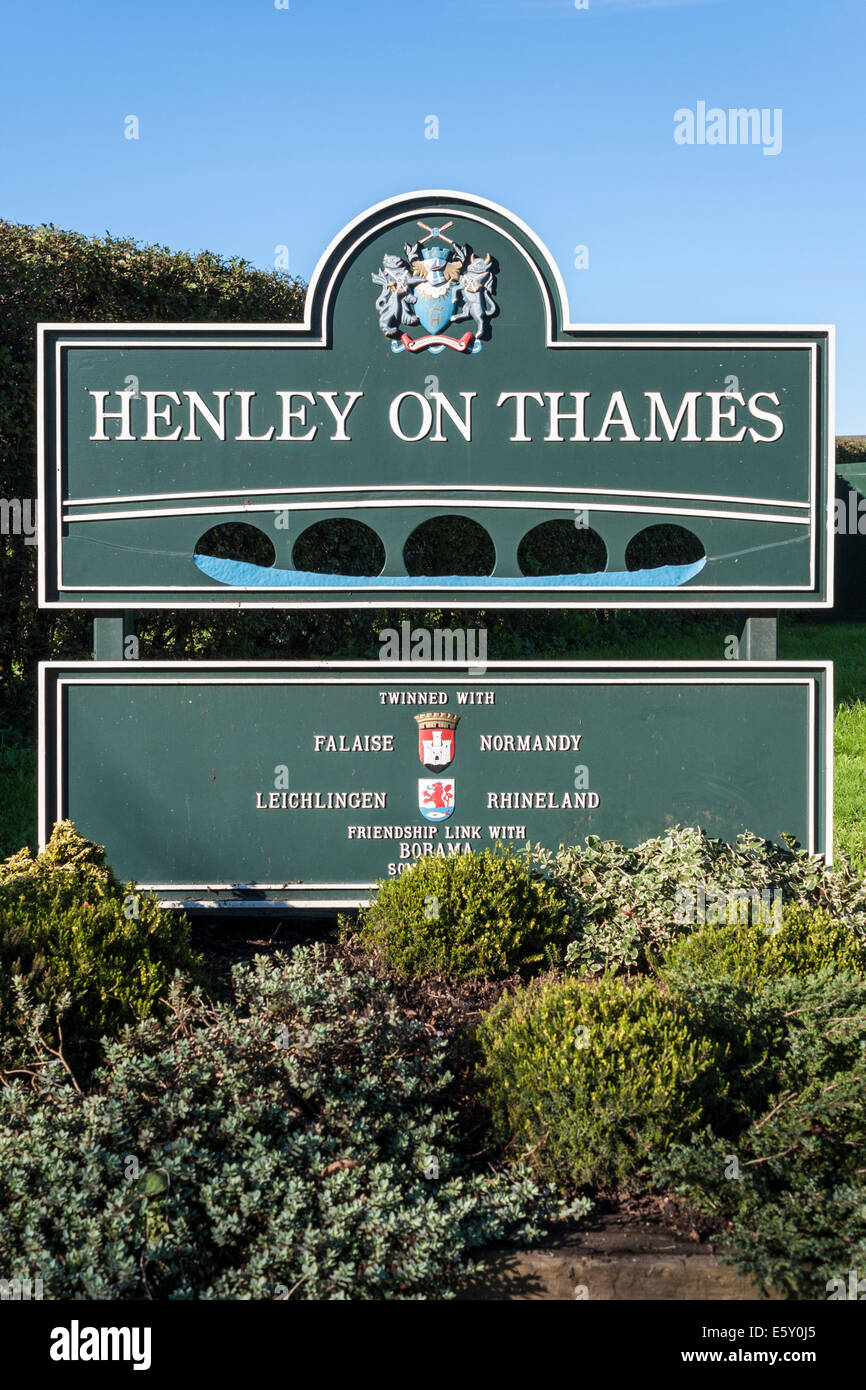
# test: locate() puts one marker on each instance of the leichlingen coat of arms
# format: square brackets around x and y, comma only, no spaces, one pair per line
[431,287]
[436,797]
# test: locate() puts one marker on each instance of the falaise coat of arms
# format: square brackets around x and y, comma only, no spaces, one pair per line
[436,739]
[433,286]
[436,797]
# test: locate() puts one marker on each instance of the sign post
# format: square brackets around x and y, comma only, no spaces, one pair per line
[437,375]
[508,415]
[302,784]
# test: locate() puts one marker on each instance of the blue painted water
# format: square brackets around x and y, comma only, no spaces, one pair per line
[240,575]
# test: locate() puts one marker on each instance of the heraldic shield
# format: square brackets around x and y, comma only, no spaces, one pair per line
[437,738]
[430,285]
[436,797]
[435,295]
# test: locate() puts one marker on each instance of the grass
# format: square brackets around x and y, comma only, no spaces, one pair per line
[850,784]
[842,643]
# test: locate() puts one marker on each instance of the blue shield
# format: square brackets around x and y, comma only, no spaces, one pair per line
[434,304]
[435,296]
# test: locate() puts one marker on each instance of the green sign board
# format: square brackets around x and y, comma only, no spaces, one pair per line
[437,373]
[304,784]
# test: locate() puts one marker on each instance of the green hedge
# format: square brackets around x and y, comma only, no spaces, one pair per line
[472,916]
[779,1167]
[95,954]
[731,978]
[785,1187]
[590,1083]
[295,1143]
[627,905]
[804,941]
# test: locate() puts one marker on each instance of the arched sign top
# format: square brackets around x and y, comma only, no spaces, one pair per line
[436,380]
[460,214]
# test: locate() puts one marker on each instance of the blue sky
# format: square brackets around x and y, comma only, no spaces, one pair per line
[261,127]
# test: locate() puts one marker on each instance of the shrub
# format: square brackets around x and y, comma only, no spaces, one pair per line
[293,1143]
[731,978]
[788,1193]
[467,917]
[850,449]
[70,932]
[802,942]
[69,870]
[589,1082]
[627,904]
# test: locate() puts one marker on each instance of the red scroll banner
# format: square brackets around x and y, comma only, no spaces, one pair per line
[434,340]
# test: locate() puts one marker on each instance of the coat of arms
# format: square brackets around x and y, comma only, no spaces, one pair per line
[434,286]
[436,798]
[436,739]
